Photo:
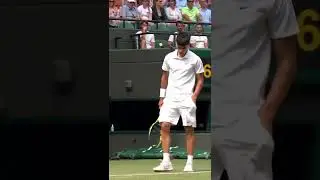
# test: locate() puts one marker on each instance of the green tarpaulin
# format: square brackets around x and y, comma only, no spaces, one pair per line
[154,152]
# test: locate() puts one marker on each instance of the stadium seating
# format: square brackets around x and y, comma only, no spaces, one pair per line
[128,25]
[125,30]
[207,28]
[159,27]
[156,25]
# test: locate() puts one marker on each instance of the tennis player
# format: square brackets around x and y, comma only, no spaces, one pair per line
[178,95]
[242,116]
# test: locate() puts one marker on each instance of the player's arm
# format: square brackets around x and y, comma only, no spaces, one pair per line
[200,79]
[199,85]
[285,52]
[164,81]
[283,30]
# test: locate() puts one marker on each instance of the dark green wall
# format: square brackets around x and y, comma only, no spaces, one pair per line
[34,38]
[143,68]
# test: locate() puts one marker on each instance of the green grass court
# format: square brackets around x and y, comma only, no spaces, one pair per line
[142,170]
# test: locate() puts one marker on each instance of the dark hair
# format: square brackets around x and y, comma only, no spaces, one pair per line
[199,24]
[143,22]
[179,22]
[183,39]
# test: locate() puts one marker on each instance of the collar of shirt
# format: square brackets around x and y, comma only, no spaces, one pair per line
[184,57]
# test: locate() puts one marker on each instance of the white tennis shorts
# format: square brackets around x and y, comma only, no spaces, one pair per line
[172,110]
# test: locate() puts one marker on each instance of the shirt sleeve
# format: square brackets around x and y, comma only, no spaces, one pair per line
[199,66]
[170,38]
[165,65]
[282,20]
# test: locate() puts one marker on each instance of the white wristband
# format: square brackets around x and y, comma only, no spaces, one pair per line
[162,93]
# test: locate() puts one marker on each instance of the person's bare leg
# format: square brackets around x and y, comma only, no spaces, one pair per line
[190,139]
[190,142]
[165,140]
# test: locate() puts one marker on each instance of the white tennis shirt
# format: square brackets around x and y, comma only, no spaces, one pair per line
[241,45]
[182,74]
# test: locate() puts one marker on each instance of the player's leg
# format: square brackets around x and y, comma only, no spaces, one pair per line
[169,115]
[190,143]
[165,140]
[188,115]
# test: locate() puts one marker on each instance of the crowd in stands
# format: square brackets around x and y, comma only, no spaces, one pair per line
[173,12]
[160,10]
[146,40]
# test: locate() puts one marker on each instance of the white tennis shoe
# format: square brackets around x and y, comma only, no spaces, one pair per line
[188,168]
[163,167]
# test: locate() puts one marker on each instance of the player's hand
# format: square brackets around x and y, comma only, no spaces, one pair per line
[194,98]
[160,102]
[266,116]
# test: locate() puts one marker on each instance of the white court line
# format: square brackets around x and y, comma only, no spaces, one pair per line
[157,174]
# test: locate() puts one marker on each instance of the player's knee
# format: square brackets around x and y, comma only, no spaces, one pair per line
[165,127]
[189,130]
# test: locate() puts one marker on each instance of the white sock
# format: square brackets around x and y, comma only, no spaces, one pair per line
[166,157]
[190,159]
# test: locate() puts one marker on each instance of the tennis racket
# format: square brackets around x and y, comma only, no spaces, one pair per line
[155,130]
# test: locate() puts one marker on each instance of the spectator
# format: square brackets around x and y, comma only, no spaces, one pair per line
[181,4]
[118,3]
[209,3]
[145,10]
[198,40]
[146,41]
[190,13]
[205,12]
[172,38]
[140,3]
[129,10]
[164,4]
[173,13]
[114,12]
[158,12]
[196,3]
